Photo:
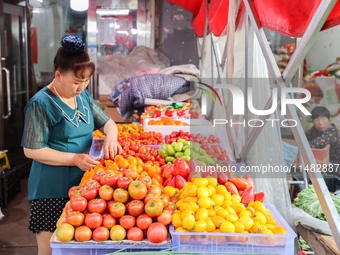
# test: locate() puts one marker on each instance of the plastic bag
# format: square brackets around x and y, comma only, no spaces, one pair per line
[309,222]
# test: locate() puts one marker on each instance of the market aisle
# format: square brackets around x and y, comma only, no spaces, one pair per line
[15,239]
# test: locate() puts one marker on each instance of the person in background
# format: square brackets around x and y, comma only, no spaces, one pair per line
[59,123]
[324,132]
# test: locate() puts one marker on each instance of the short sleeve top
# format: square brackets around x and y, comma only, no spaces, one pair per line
[49,122]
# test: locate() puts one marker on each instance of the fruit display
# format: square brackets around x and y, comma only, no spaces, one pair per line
[166,121]
[205,205]
[149,138]
[152,188]
[120,199]
[128,129]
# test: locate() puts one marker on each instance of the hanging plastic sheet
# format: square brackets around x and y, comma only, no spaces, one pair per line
[286,17]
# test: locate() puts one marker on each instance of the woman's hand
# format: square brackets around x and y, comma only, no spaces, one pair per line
[84,161]
[111,148]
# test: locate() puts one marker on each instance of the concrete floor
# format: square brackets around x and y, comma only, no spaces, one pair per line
[15,239]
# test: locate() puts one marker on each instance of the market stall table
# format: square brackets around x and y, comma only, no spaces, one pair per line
[320,244]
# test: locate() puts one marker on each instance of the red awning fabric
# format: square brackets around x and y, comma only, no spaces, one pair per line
[286,17]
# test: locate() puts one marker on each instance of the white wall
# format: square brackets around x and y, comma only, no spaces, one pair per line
[325,49]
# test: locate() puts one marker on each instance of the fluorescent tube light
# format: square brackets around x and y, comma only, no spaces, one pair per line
[113,11]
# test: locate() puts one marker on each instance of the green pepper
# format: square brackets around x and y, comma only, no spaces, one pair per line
[170,150]
[187,152]
[163,153]
[178,147]
[186,158]
[169,159]
[179,154]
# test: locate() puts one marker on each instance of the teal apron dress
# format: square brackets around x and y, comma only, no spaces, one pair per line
[49,122]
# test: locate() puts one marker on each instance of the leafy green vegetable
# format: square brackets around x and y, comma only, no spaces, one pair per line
[308,201]
[304,246]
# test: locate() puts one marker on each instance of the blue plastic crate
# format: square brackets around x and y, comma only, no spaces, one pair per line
[236,243]
[102,248]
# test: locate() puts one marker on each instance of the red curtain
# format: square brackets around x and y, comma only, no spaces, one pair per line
[286,17]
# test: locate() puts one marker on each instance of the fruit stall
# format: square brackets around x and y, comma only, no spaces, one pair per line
[158,196]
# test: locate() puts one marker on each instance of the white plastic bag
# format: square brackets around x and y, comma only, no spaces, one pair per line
[309,222]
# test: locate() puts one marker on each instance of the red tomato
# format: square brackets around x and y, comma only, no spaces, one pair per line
[110,179]
[143,221]
[96,205]
[74,191]
[123,182]
[154,207]
[155,189]
[137,190]
[150,196]
[164,217]
[100,234]
[135,234]
[157,233]
[135,207]
[83,234]
[121,195]
[88,192]
[165,198]
[98,175]
[106,192]
[78,203]
[146,179]
[127,221]
[131,173]
[75,218]
[93,184]
[109,221]
[117,209]
[108,204]
[93,220]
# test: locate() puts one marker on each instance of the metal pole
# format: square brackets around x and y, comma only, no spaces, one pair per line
[314,27]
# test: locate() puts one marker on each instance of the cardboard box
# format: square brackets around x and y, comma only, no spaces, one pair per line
[104,100]
[115,115]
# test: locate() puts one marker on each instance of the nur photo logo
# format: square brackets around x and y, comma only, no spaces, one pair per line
[238,103]
[210,91]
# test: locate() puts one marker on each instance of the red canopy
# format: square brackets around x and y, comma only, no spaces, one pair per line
[286,17]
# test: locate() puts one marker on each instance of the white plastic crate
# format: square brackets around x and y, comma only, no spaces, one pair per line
[194,126]
[236,243]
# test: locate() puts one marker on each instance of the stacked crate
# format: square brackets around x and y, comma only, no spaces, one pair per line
[9,185]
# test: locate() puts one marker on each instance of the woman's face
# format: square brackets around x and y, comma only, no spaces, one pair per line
[71,85]
[321,123]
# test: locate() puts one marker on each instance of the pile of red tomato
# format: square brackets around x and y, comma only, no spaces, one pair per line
[145,138]
[114,206]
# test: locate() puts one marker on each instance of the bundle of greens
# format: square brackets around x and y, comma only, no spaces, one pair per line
[308,201]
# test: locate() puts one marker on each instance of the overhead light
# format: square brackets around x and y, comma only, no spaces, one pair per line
[40,1]
[115,12]
[79,5]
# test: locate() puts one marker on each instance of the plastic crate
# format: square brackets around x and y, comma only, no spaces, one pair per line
[236,243]
[194,126]
[101,248]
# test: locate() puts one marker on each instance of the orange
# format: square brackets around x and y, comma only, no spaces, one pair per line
[152,122]
[132,161]
[147,166]
[123,163]
[118,158]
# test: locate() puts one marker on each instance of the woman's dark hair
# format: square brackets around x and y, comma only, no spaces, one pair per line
[71,56]
[320,111]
